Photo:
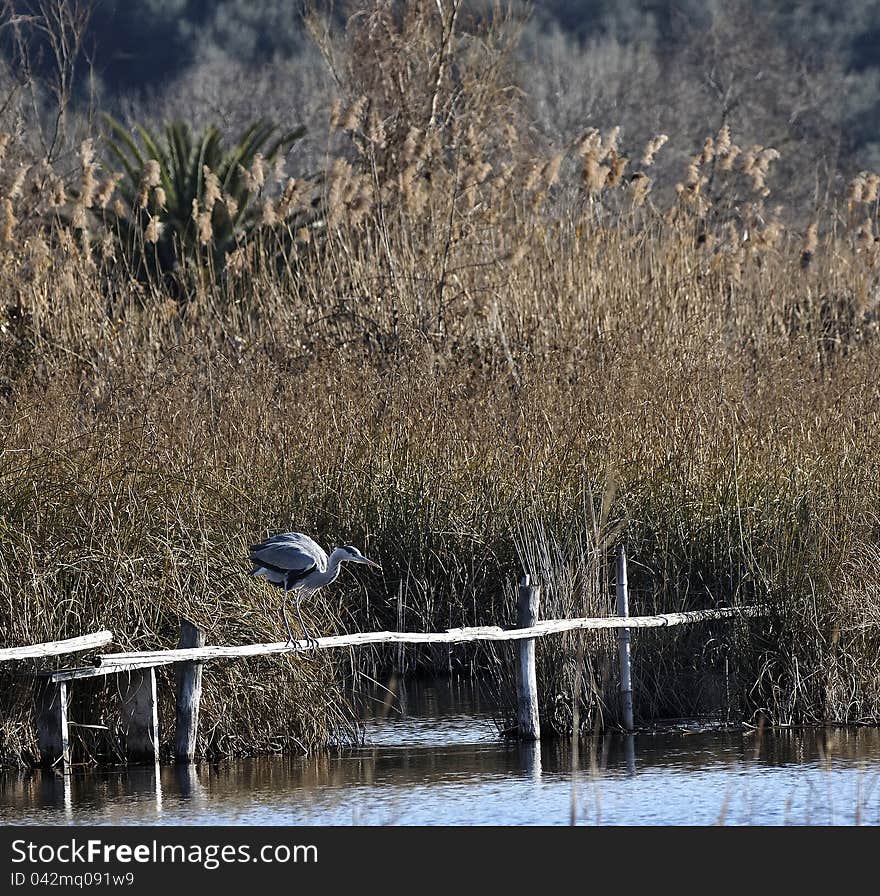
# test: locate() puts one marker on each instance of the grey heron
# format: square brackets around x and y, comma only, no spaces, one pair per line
[294,561]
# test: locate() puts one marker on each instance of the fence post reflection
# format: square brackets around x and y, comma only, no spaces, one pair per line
[530,759]
[629,752]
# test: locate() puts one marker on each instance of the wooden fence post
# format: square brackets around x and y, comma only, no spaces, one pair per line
[189,694]
[626,696]
[527,613]
[52,735]
[140,716]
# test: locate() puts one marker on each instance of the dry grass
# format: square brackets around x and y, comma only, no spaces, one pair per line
[485,357]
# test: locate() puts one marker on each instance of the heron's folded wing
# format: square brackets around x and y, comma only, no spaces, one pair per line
[290,552]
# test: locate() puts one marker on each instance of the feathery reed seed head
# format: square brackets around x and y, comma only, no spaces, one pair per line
[708,153]
[106,189]
[212,190]
[335,114]
[257,171]
[152,232]
[7,222]
[268,218]
[411,144]
[609,143]
[14,190]
[590,142]
[152,175]
[88,169]
[617,167]
[639,187]
[723,141]
[352,118]
[811,243]
[856,189]
[651,150]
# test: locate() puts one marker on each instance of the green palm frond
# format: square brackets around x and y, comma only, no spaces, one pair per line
[182,157]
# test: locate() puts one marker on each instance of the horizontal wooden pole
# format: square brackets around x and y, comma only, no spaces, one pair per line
[56,648]
[60,675]
[452,636]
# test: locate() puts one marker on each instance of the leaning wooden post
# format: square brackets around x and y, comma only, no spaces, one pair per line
[140,716]
[626,691]
[527,612]
[189,694]
[52,736]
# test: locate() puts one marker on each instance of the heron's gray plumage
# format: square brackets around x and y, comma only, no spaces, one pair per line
[295,562]
[287,558]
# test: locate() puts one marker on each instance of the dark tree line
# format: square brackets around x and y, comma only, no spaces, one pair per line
[811,68]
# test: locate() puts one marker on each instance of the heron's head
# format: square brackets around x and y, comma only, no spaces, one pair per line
[353,555]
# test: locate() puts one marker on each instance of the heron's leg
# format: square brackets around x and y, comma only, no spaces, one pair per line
[284,613]
[310,641]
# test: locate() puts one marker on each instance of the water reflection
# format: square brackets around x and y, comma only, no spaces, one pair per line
[629,751]
[530,761]
[186,776]
[443,763]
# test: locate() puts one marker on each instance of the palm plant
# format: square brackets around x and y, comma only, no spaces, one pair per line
[186,198]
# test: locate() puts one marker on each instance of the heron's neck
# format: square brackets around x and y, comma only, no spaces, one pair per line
[333,563]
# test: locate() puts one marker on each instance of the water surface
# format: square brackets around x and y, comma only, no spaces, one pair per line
[438,759]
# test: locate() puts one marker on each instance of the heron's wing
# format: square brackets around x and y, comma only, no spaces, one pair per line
[290,552]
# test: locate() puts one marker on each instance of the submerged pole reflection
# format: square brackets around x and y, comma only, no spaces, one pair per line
[530,759]
[186,776]
[54,792]
[629,752]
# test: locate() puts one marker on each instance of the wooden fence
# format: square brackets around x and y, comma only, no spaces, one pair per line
[139,711]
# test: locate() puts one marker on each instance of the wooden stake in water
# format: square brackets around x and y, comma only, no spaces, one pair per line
[626,696]
[189,695]
[140,716]
[52,735]
[527,612]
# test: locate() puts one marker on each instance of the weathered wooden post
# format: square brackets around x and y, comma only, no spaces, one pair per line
[189,694]
[52,736]
[140,716]
[527,613]
[626,695]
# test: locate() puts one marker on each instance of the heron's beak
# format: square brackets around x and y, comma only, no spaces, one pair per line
[371,563]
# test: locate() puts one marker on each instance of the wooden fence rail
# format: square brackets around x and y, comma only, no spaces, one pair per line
[451,636]
[56,648]
[138,687]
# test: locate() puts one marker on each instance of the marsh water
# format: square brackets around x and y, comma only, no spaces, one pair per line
[435,757]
